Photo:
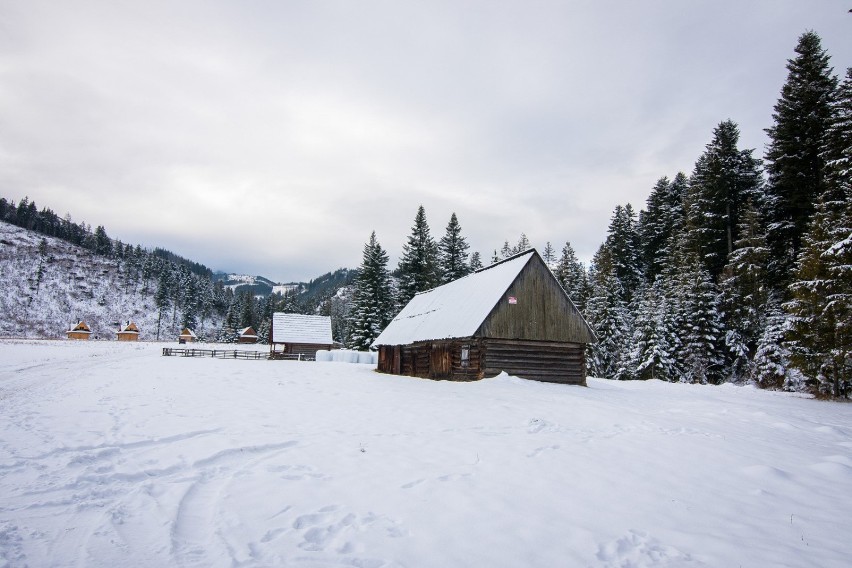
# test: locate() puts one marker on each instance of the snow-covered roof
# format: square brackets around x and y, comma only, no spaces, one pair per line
[130,327]
[188,332]
[298,328]
[81,327]
[456,309]
[248,332]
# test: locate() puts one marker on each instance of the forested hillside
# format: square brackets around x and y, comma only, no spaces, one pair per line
[56,272]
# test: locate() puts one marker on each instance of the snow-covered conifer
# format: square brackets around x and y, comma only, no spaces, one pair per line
[372,301]
[418,267]
[452,253]
[795,157]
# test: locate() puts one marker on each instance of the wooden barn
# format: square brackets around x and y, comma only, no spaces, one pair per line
[300,335]
[128,332]
[187,336]
[79,331]
[513,316]
[247,335]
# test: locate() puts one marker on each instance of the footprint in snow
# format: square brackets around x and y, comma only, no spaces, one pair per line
[638,550]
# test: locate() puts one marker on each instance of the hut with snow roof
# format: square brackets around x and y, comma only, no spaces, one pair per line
[79,331]
[299,335]
[187,336]
[512,316]
[128,332]
[247,335]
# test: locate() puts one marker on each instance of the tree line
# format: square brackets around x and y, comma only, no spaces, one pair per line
[740,271]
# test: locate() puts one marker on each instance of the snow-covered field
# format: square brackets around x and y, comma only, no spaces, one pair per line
[112,455]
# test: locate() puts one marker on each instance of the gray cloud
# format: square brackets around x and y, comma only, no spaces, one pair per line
[273,137]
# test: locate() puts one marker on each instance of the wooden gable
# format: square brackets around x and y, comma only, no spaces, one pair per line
[535,307]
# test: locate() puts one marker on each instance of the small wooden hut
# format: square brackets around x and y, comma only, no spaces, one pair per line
[79,331]
[302,335]
[512,316]
[128,332]
[187,336]
[247,335]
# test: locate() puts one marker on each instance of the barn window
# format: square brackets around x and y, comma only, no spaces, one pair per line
[465,355]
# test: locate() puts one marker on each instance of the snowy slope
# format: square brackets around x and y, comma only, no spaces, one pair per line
[112,455]
[76,285]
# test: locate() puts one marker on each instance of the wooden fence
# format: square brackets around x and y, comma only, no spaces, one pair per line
[231,354]
[216,353]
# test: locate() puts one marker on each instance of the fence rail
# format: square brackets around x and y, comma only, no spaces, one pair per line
[216,353]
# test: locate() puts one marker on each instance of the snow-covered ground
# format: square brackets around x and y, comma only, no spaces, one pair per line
[112,455]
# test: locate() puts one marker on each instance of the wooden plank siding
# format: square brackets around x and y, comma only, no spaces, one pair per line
[441,360]
[543,311]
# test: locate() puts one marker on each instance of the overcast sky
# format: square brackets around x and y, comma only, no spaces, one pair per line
[271,137]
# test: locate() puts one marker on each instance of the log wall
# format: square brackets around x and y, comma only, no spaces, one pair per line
[548,361]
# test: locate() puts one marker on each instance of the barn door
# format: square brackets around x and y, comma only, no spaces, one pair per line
[439,361]
[396,365]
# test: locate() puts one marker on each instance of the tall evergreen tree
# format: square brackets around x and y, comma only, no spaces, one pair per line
[372,301]
[703,360]
[606,313]
[548,255]
[771,368]
[661,221]
[571,275]
[795,157]
[622,242]
[162,299]
[821,306]
[452,253]
[724,180]
[247,313]
[654,344]
[523,244]
[745,295]
[418,267]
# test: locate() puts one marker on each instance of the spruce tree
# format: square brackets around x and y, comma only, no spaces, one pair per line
[622,241]
[523,244]
[795,157]
[475,262]
[745,294]
[653,345]
[418,267]
[659,224]
[571,275]
[372,301]
[452,253]
[162,299]
[703,360]
[606,313]
[548,255]
[771,367]
[724,180]
[821,334]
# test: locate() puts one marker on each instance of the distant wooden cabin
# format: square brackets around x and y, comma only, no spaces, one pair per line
[297,334]
[79,331]
[247,335]
[187,336]
[129,332]
[512,316]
